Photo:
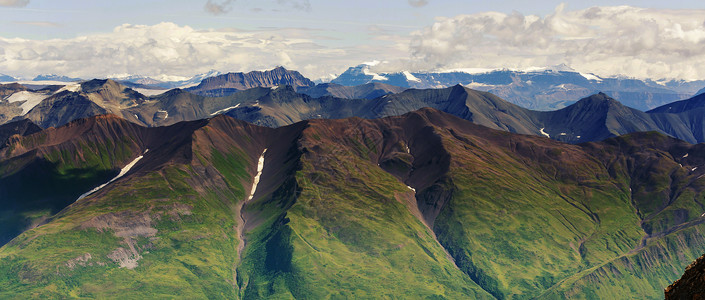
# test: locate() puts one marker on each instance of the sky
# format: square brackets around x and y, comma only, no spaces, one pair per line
[176,39]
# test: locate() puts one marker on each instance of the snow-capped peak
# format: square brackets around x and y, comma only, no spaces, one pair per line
[469,70]
[560,68]
[205,75]
[168,78]
[375,76]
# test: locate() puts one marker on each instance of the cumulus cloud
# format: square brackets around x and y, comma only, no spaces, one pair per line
[418,3]
[170,49]
[14,3]
[638,42]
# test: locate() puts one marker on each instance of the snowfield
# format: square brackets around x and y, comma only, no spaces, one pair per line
[71,87]
[30,100]
[123,171]
[410,77]
[544,133]
[225,109]
[260,166]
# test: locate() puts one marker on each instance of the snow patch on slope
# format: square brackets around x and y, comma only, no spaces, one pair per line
[260,166]
[410,77]
[225,109]
[72,87]
[544,133]
[150,92]
[375,76]
[481,86]
[590,76]
[123,171]
[30,100]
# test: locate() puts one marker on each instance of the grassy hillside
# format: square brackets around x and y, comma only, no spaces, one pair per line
[424,206]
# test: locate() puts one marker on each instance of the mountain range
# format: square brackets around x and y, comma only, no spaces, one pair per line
[591,119]
[148,82]
[423,204]
[54,77]
[280,188]
[541,89]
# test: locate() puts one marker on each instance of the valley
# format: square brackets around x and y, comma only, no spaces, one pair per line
[492,214]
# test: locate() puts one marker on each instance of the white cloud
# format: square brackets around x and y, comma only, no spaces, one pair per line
[14,3]
[170,49]
[626,40]
[645,43]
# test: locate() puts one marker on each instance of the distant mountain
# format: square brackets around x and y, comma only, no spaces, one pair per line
[676,107]
[136,79]
[424,204]
[700,92]
[193,81]
[17,99]
[53,77]
[86,99]
[364,91]
[7,78]
[11,88]
[139,81]
[543,89]
[593,118]
[226,84]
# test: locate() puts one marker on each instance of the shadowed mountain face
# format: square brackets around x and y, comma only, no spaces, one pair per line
[691,285]
[21,127]
[365,91]
[591,119]
[11,88]
[423,204]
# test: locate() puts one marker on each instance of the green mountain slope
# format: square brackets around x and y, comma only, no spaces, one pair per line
[424,205]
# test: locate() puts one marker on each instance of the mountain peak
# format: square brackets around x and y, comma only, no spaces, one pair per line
[560,68]
[599,98]
[226,84]
[95,84]
[54,77]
